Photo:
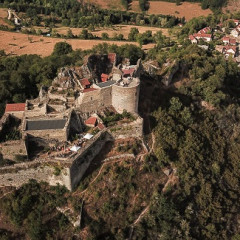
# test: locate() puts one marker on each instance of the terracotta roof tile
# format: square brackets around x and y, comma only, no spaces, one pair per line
[15,107]
[91,121]
[100,126]
[85,82]
[89,90]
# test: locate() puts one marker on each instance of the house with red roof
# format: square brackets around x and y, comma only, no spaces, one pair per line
[204,30]
[104,77]
[236,21]
[229,41]
[15,109]
[192,39]
[100,126]
[91,122]
[229,50]
[197,36]
[128,72]
[85,83]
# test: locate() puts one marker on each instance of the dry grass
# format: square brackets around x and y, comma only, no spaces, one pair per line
[3,14]
[232,6]
[107,4]
[186,9]
[19,43]
[117,29]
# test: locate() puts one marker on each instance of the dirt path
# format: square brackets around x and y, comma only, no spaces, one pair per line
[99,173]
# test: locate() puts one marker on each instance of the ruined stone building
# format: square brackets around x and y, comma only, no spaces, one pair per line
[73,101]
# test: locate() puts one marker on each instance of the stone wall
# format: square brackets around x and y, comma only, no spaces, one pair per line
[71,170]
[127,130]
[11,149]
[95,100]
[83,160]
[22,173]
[60,134]
[125,98]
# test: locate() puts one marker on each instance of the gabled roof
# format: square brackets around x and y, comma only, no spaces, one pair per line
[204,30]
[104,77]
[202,35]
[89,90]
[91,121]
[15,107]
[85,82]
[100,126]
[128,71]
[226,39]
[191,37]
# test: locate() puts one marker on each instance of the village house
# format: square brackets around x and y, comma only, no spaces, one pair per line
[229,41]
[235,32]
[230,51]
[15,109]
[236,21]
[205,30]
[197,36]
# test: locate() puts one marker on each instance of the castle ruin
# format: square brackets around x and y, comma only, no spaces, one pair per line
[76,99]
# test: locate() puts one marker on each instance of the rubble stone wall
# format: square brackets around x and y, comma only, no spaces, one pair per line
[95,100]
[11,149]
[21,173]
[60,134]
[82,162]
[133,129]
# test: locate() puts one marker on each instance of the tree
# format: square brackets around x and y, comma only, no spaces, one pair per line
[132,36]
[105,36]
[62,48]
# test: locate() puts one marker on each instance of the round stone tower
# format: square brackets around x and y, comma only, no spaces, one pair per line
[125,96]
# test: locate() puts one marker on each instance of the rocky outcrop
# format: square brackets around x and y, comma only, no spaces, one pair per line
[170,71]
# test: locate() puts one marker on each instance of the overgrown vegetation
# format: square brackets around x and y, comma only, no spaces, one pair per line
[28,205]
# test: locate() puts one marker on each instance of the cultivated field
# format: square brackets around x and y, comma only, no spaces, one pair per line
[19,43]
[123,29]
[186,9]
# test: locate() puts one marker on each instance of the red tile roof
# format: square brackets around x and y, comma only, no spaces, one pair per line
[191,37]
[204,30]
[226,39]
[15,107]
[100,126]
[128,71]
[232,41]
[202,35]
[89,90]
[91,121]
[84,82]
[104,77]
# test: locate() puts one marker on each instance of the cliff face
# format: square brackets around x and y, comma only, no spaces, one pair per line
[171,70]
